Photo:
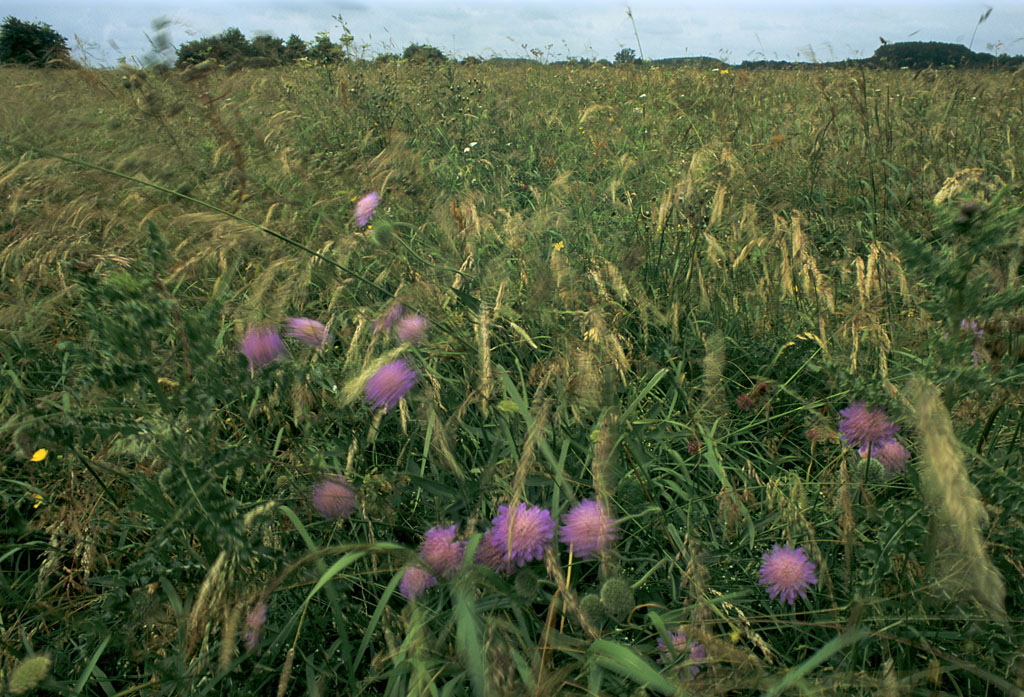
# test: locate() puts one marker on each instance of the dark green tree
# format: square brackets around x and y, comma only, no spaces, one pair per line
[324,51]
[294,49]
[422,53]
[626,56]
[268,47]
[30,43]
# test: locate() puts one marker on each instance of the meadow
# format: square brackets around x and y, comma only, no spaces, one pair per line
[637,381]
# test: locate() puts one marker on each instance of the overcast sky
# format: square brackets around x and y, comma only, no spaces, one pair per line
[731,30]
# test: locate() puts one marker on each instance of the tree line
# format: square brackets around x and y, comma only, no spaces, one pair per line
[37,44]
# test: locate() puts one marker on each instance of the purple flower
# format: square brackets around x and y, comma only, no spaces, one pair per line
[411,328]
[862,426]
[254,622]
[415,581]
[681,647]
[389,384]
[971,326]
[261,345]
[521,535]
[366,207]
[308,331]
[588,529]
[333,498]
[787,572]
[440,551]
[488,554]
[890,453]
[388,319]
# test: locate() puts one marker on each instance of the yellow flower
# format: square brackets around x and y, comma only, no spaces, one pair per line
[40,455]
[725,72]
[38,498]
[559,245]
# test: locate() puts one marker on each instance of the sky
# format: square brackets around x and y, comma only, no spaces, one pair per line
[103,31]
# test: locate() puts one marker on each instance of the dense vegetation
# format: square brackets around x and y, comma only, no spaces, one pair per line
[656,289]
[31,43]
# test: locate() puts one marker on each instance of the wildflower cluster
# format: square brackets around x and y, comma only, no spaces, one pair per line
[262,344]
[517,536]
[870,431]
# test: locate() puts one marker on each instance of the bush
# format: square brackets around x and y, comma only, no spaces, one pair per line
[227,47]
[30,43]
[422,53]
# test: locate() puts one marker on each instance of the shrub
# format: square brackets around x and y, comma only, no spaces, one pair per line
[30,43]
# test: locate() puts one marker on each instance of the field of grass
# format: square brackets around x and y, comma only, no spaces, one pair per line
[656,289]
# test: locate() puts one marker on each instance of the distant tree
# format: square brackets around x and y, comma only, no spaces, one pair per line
[422,53]
[386,58]
[324,51]
[294,49]
[926,54]
[30,43]
[268,47]
[231,44]
[194,52]
[626,56]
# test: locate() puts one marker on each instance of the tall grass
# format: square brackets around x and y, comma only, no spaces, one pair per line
[654,288]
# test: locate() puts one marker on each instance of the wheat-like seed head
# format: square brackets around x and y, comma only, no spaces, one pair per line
[957,539]
[714,362]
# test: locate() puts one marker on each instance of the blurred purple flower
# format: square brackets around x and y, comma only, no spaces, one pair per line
[388,319]
[411,328]
[890,453]
[308,331]
[488,554]
[415,581]
[261,345]
[589,529]
[441,552]
[862,426]
[389,384]
[682,647]
[971,326]
[333,498]
[522,535]
[254,622]
[366,207]
[787,572]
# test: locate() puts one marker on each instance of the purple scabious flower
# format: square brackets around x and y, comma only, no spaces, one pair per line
[415,582]
[254,622]
[890,453]
[488,554]
[862,426]
[441,552]
[682,647]
[366,207]
[261,345]
[787,572]
[333,498]
[389,384]
[588,529]
[522,535]
[411,328]
[308,331]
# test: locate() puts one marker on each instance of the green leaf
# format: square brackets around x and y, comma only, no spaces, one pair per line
[625,661]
